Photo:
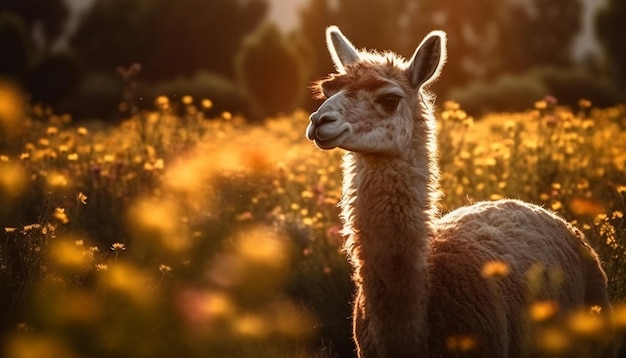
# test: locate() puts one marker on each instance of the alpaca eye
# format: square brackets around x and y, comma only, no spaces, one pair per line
[389,102]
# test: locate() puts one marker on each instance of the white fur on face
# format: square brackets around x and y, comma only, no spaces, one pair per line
[357,121]
[326,128]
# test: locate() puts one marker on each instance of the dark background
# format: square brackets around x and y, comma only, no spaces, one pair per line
[503,54]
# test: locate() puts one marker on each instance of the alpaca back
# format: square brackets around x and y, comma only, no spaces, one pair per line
[544,259]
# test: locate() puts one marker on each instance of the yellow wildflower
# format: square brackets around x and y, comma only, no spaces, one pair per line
[541,311]
[118,246]
[451,105]
[556,205]
[187,99]
[102,267]
[60,215]
[207,104]
[82,198]
[541,104]
[165,269]
[495,269]
[162,102]
[584,103]
[461,343]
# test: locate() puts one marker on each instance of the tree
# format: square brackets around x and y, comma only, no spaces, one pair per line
[28,31]
[399,25]
[486,38]
[168,37]
[54,77]
[51,15]
[472,29]
[541,34]
[271,70]
[16,47]
[117,33]
[309,39]
[609,28]
[200,34]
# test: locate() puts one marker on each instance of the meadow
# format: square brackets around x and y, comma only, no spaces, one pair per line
[173,233]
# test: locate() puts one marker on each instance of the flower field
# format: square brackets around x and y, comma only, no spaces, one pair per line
[174,234]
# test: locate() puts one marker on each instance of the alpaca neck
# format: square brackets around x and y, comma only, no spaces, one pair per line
[388,209]
[389,204]
[390,219]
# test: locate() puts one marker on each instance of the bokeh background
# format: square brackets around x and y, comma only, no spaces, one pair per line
[158,197]
[257,57]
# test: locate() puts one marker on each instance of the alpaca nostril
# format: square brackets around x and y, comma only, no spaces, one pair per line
[326,118]
[318,119]
[314,117]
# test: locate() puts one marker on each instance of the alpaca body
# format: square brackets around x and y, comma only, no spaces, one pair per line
[422,285]
[421,276]
[528,239]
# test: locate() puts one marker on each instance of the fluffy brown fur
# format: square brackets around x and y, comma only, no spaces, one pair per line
[421,286]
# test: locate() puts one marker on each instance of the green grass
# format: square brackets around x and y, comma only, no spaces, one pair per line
[172,234]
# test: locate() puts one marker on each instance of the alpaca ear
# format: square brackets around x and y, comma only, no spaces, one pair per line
[428,59]
[341,50]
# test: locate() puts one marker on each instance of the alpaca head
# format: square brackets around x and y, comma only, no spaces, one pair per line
[374,101]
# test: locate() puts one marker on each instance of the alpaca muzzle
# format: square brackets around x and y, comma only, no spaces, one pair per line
[326,130]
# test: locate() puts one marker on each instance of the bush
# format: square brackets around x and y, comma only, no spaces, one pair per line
[16,47]
[98,96]
[570,85]
[223,93]
[506,93]
[54,78]
[271,71]
[516,92]
[109,96]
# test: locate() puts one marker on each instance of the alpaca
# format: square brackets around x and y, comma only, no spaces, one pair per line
[419,276]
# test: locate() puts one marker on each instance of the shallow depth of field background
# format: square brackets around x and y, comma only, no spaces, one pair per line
[158,197]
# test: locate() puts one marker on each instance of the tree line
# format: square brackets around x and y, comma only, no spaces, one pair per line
[501,52]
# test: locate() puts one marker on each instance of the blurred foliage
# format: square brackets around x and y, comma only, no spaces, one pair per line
[569,85]
[540,33]
[506,93]
[205,236]
[177,42]
[168,38]
[16,48]
[225,93]
[28,32]
[486,38]
[272,71]
[52,78]
[97,96]
[47,17]
[514,92]
[609,30]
